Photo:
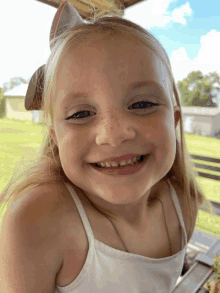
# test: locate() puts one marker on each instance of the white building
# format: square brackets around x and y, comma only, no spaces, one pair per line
[15,108]
[202,120]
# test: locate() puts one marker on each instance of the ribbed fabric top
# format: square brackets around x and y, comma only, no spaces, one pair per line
[108,270]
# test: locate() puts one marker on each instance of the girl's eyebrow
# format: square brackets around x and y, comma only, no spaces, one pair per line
[136,85]
[132,86]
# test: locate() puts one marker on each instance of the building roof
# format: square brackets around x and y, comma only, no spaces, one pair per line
[18,91]
[204,111]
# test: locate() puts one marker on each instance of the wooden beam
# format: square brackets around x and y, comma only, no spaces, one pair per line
[87,10]
[51,3]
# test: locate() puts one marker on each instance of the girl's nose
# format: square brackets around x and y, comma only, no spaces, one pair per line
[114,131]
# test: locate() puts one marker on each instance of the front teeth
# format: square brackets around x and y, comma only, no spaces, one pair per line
[122,163]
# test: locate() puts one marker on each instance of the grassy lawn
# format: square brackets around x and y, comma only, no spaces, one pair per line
[21,138]
[208,147]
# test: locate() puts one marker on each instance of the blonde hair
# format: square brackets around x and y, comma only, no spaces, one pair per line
[46,167]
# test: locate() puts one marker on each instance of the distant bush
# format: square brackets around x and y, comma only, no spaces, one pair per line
[2,107]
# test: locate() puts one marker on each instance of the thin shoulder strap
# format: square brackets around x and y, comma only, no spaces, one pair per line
[179,212]
[82,213]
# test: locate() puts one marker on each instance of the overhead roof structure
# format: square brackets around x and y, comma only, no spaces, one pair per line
[90,8]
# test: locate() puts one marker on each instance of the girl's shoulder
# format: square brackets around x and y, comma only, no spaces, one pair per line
[45,205]
[33,224]
[45,193]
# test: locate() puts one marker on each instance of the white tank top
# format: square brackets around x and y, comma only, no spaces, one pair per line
[108,270]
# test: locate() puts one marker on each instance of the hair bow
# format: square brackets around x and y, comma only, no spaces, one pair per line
[65,18]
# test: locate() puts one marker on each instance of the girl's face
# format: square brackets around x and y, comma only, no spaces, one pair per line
[98,80]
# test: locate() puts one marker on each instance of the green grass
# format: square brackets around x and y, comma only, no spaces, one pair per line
[17,140]
[207,147]
[21,138]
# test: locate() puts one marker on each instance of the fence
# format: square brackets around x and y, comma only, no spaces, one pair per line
[195,277]
[204,167]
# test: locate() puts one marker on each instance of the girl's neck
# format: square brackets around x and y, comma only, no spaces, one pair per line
[133,216]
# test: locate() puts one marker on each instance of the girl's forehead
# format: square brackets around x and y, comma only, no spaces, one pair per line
[123,60]
[111,66]
[106,53]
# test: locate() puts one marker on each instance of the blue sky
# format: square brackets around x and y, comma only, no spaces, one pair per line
[188,30]
[205,17]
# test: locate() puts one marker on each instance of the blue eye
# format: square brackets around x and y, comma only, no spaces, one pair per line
[138,105]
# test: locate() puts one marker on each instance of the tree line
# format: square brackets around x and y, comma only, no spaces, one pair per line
[199,90]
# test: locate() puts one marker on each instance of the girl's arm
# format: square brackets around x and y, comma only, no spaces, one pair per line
[30,257]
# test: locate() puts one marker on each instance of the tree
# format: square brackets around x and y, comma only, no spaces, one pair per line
[15,81]
[200,90]
[2,104]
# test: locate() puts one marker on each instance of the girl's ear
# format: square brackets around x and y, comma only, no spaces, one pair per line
[53,134]
[176,115]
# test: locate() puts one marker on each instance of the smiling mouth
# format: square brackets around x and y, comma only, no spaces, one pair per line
[120,167]
[123,171]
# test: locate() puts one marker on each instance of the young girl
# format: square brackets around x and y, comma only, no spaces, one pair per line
[111,202]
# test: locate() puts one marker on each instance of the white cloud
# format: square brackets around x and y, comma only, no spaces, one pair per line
[207,59]
[179,13]
[155,13]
